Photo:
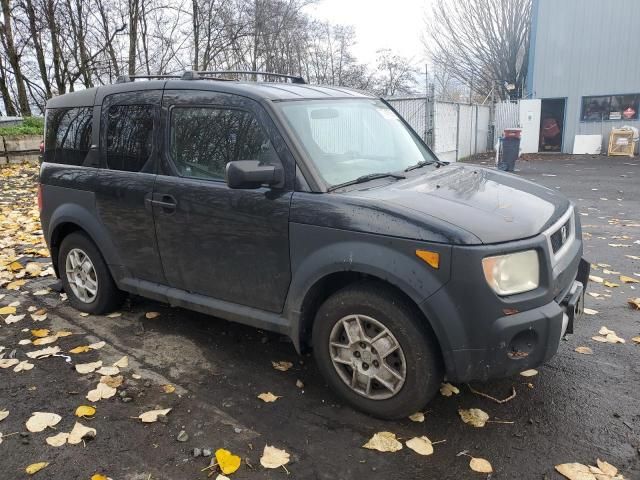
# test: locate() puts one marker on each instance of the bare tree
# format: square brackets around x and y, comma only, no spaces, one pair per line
[397,75]
[7,38]
[482,43]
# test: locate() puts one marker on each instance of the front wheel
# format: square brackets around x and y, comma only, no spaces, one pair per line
[86,277]
[372,349]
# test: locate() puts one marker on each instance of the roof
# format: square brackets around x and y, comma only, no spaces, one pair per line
[273,91]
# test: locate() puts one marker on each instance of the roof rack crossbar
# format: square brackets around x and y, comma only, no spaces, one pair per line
[293,78]
[131,78]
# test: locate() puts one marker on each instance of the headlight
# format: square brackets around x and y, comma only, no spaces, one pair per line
[512,273]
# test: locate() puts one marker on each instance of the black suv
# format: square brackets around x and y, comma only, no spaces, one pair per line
[312,211]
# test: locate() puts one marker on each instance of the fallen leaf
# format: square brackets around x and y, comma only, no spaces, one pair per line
[79,433]
[14,318]
[57,440]
[122,363]
[168,388]
[575,471]
[634,303]
[605,331]
[584,350]
[45,340]
[474,416]
[594,294]
[480,465]
[152,315]
[43,353]
[99,476]
[529,373]
[282,366]
[420,445]
[102,391]
[3,414]
[114,315]
[84,368]
[446,389]
[625,279]
[635,339]
[108,371]
[113,382]
[607,468]
[610,284]
[35,467]
[600,339]
[222,477]
[7,310]
[15,266]
[417,417]
[38,318]
[97,345]
[8,362]
[85,411]
[80,349]
[596,279]
[40,332]
[383,442]
[227,461]
[268,397]
[42,292]
[15,285]
[152,415]
[589,311]
[273,457]
[39,421]
[23,366]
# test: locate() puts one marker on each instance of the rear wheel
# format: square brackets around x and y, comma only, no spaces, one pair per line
[86,277]
[373,351]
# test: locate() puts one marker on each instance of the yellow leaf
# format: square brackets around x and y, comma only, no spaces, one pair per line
[227,461]
[99,476]
[596,279]
[168,388]
[15,285]
[152,415]
[584,350]
[529,373]
[625,279]
[607,468]
[575,471]
[634,303]
[85,411]
[474,416]
[15,266]
[417,417]
[152,315]
[7,310]
[40,333]
[35,467]
[610,284]
[81,349]
[383,442]
[268,397]
[635,339]
[480,465]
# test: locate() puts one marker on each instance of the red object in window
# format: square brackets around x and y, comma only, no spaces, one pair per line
[40,197]
[550,128]
[512,132]
[42,146]
[629,113]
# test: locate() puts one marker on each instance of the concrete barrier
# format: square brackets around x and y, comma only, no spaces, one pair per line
[19,149]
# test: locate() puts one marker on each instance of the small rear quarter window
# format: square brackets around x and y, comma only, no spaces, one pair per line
[68,135]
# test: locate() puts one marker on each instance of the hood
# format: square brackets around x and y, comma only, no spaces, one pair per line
[492,205]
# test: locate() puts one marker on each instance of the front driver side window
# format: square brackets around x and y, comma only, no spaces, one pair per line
[205,139]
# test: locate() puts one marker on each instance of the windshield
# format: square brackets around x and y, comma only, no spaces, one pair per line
[348,139]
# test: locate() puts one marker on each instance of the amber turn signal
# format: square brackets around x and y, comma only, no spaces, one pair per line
[432,258]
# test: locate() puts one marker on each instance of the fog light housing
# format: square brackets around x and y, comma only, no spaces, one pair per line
[512,273]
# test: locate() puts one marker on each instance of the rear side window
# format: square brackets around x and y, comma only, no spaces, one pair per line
[129,136]
[205,139]
[68,135]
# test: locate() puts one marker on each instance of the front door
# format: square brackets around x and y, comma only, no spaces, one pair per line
[129,148]
[227,244]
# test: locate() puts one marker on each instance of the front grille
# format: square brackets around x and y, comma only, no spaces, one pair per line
[560,236]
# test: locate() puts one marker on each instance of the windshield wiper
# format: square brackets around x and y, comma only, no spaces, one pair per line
[422,163]
[366,178]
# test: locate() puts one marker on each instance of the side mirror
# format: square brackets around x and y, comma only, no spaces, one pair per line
[253,174]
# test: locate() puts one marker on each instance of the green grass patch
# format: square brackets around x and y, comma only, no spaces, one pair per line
[30,126]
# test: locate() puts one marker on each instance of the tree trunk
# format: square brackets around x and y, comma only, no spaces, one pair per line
[9,109]
[14,59]
[134,14]
[55,46]
[37,44]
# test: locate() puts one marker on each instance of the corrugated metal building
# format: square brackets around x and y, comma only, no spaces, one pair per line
[584,65]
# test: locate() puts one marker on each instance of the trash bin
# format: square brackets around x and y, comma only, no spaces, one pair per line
[510,149]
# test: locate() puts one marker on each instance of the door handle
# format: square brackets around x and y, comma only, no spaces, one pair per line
[168,203]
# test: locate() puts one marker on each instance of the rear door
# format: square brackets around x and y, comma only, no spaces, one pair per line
[228,244]
[129,139]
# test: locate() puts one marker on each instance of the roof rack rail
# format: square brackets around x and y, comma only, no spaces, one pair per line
[294,78]
[131,78]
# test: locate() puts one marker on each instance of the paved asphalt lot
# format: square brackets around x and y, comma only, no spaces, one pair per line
[579,408]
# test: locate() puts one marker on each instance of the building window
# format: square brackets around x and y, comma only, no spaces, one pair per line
[610,107]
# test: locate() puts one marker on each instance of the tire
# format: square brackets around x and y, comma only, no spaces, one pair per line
[106,296]
[376,307]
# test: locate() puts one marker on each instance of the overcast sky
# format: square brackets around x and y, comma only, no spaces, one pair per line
[394,24]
